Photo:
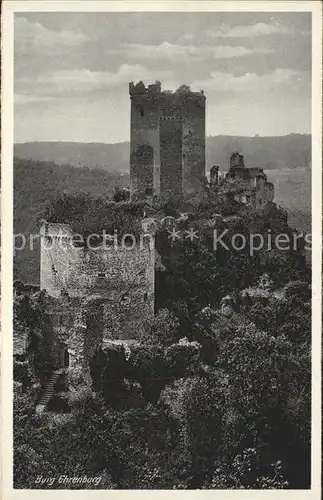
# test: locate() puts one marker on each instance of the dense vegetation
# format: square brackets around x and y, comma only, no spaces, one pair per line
[217,394]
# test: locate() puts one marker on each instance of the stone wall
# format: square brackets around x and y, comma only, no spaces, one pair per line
[59,260]
[67,338]
[122,276]
[193,155]
[142,170]
[171,168]
[214,176]
[270,191]
[20,339]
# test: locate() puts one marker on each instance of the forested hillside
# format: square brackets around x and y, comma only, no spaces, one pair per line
[215,393]
[289,151]
[35,184]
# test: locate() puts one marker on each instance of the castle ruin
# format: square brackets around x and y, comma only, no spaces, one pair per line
[247,185]
[108,291]
[93,295]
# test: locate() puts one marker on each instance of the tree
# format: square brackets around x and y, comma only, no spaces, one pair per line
[245,471]
[161,330]
[120,194]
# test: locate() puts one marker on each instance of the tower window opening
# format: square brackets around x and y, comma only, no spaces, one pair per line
[66,358]
[145,297]
[142,112]
[125,299]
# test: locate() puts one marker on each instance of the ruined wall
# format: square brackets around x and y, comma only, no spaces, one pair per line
[59,260]
[260,198]
[20,341]
[123,277]
[77,332]
[68,338]
[171,168]
[256,191]
[214,175]
[236,160]
[270,191]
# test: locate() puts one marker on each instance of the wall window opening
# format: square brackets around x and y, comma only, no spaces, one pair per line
[20,357]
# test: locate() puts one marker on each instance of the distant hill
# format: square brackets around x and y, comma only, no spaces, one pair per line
[289,151]
[109,157]
[35,184]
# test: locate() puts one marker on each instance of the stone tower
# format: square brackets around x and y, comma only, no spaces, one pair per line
[167,143]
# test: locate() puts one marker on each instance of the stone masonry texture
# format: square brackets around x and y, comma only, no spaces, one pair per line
[167,120]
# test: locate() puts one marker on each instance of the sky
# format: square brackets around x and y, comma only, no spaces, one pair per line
[71,71]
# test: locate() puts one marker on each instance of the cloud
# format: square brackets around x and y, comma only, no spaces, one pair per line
[227,52]
[188,36]
[250,31]
[168,51]
[32,38]
[76,82]
[252,82]
[28,99]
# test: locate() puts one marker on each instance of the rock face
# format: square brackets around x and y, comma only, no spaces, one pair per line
[167,146]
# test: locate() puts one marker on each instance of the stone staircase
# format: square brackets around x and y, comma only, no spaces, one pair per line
[49,391]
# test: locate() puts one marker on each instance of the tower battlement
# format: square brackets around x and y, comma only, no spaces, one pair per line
[156,88]
[140,88]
